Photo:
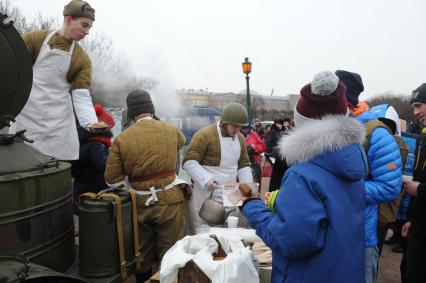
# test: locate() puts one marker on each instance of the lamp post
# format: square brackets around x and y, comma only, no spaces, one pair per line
[247,71]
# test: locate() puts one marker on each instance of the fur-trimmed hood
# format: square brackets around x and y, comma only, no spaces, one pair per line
[331,133]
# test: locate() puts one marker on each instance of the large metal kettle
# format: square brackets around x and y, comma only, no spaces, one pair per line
[213,212]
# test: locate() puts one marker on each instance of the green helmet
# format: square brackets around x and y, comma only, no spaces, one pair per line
[235,113]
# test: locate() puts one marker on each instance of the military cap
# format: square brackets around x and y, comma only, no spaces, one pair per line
[78,8]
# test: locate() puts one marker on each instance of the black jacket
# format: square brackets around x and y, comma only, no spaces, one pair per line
[279,167]
[417,208]
[272,140]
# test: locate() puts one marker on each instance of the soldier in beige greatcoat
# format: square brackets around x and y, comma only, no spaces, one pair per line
[146,154]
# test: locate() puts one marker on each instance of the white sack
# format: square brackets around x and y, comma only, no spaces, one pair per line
[236,267]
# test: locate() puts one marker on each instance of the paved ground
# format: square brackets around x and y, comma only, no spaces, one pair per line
[389,266]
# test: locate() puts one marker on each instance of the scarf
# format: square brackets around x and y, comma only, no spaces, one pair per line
[103,139]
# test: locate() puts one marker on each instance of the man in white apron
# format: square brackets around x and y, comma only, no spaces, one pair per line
[59,65]
[217,155]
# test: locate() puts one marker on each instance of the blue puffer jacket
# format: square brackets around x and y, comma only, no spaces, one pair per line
[384,182]
[317,231]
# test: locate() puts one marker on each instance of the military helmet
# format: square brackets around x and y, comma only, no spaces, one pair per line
[235,113]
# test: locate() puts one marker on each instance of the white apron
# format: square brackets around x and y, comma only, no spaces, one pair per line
[226,172]
[48,114]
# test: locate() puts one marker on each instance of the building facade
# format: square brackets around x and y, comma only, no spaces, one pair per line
[263,107]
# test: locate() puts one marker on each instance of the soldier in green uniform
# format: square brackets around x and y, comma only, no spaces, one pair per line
[146,154]
[217,155]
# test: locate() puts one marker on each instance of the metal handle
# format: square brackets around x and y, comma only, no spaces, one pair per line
[23,137]
[3,17]
[22,273]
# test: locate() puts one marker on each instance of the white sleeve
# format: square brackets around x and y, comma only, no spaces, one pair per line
[244,175]
[393,115]
[83,107]
[197,172]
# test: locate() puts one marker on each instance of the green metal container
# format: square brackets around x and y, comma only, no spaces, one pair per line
[35,190]
[36,217]
[98,243]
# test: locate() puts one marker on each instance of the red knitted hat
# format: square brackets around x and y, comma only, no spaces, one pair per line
[104,116]
[325,95]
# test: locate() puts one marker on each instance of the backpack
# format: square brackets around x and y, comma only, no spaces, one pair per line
[389,210]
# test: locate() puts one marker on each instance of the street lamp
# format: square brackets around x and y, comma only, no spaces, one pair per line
[247,71]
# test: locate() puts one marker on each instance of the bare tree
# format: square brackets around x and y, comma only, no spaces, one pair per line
[113,79]
[22,24]
[40,22]
[14,14]
[399,101]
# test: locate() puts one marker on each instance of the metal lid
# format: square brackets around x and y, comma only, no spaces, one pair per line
[16,74]
[23,160]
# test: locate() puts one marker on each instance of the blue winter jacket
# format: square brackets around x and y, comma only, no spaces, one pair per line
[383,184]
[316,233]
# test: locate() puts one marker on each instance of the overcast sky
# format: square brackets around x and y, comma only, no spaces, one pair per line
[201,44]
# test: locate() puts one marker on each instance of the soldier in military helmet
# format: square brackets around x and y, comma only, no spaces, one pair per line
[217,155]
[61,81]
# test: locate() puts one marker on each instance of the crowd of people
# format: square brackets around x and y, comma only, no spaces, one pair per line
[337,182]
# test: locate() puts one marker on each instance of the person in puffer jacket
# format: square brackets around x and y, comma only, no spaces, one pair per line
[316,233]
[383,183]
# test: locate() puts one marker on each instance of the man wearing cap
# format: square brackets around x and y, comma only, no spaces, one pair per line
[384,181]
[62,73]
[258,128]
[217,155]
[146,154]
[415,228]
[316,231]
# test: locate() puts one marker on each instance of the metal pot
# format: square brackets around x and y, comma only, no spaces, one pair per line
[213,212]
[16,268]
